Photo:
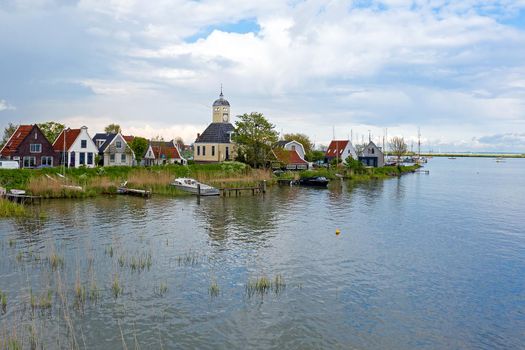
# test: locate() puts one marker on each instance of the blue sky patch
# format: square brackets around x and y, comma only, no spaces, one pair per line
[248,25]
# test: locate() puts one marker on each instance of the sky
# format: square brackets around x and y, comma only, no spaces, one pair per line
[453,69]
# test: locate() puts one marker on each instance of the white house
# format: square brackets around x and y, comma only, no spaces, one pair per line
[289,155]
[76,148]
[160,153]
[114,150]
[340,149]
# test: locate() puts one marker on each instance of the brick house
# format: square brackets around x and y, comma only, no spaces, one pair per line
[29,146]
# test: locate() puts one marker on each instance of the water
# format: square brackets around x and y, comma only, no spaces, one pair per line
[422,262]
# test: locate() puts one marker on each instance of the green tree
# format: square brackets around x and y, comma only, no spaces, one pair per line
[315,156]
[255,136]
[302,139]
[179,142]
[354,165]
[398,147]
[8,131]
[112,129]
[139,145]
[51,130]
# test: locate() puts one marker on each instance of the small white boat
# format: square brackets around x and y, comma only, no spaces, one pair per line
[17,192]
[192,186]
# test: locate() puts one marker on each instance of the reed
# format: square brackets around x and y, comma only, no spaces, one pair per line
[214,289]
[190,258]
[263,285]
[9,209]
[162,289]
[94,293]
[45,300]
[55,261]
[116,288]
[3,301]
[80,292]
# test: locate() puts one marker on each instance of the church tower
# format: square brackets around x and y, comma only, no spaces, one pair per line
[221,110]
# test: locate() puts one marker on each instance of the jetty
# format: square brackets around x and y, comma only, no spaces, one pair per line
[20,198]
[123,189]
[238,191]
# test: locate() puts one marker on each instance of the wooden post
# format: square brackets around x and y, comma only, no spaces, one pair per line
[264,186]
[198,190]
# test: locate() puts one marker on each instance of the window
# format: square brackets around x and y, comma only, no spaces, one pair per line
[36,135]
[224,108]
[35,148]
[82,158]
[203,150]
[100,142]
[29,162]
[123,158]
[293,147]
[90,158]
[112,158]
[227,153]
[212,150]
[47,161]
[372,150]
[217,108]
[198,150]
[83,144]
[118,144]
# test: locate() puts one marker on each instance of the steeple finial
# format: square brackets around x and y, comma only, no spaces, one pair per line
[221,95]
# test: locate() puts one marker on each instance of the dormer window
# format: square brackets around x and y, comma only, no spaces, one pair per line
[35,148]
[118,144]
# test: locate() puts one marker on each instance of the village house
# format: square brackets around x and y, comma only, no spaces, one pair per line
[289,155]
[161,152]
[29,146]
[75,148]
[215,143]
[113,150]
[340,149]
[372,156]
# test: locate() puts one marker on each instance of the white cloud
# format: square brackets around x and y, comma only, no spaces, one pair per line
[4,106]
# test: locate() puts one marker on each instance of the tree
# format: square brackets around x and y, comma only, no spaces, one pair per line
[51,130]
[139,145]
[315,156]
[180,143]
[255,136]
[112,129]
[8,131]
[302,139]
[354,165]
[398,147]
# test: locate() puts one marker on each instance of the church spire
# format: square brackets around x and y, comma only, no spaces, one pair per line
[221,95]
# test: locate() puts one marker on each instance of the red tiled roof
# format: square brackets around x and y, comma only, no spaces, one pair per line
[128,138]
[16,139]
[168,152]
[288,156]
[336,146]
[71,136]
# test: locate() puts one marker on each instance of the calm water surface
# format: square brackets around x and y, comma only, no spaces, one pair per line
[422,262]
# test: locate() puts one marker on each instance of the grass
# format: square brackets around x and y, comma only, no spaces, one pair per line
[80,292]
[55,261]
[3,301]
[45,300]
[94,292]
[190,258]
[116,288]
[162,289]
[95,181]
[263,285]
[214,289]
[9,209]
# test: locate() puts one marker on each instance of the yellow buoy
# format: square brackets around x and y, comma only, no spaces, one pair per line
[337,231]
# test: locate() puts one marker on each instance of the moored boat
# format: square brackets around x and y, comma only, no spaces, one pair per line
[315,181]
[193,186]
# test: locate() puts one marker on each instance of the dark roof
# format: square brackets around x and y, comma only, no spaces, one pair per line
[221,101]
[282,143]
[162,143]
[216,133]
[107,137]
[16,139]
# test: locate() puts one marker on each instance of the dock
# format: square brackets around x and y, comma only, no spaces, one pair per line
[134,192]
[23,198]
[238,191]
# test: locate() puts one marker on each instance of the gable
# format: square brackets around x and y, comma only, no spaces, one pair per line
[16,139]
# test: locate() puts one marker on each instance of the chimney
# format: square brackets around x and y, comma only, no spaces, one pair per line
[198,135]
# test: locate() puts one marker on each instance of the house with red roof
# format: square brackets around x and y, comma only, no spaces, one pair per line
[340,149]
[160,153]
[30,147]
[76,148]
[289,155]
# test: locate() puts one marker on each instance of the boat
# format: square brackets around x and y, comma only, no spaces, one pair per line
[17,192]
[315,181]
[192,186]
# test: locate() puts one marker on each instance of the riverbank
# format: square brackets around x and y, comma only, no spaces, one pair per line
[10,210]
[89,182]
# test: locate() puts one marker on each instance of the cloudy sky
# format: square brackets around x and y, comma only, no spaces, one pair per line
[456,69]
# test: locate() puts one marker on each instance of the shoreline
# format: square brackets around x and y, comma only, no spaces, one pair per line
[474,155]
